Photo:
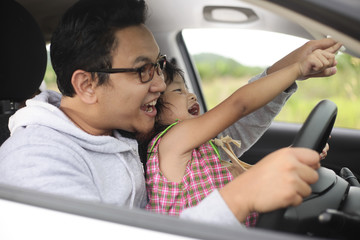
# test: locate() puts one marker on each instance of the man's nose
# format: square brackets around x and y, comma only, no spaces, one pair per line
[158,83]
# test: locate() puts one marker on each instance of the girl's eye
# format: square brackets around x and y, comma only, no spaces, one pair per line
[177,90]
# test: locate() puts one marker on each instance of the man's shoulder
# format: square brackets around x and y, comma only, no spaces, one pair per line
[33,137]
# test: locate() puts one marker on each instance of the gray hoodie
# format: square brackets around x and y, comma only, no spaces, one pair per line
[48,152]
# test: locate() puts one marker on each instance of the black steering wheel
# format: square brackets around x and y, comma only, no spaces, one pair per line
[329,192]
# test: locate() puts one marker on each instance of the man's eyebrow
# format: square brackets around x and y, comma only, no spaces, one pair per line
[144,59]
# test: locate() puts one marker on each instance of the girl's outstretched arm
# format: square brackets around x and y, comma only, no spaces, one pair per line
[191,133]
[251,127]
[301,53]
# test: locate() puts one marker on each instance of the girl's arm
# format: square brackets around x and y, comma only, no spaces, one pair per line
[251,127]
[191,133]
[301,53]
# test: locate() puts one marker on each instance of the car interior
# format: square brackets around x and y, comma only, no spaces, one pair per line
[25,62]
[335,199]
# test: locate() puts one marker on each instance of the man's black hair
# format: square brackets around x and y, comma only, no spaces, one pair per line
[85,37]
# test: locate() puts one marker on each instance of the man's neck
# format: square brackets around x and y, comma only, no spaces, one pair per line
[82,115]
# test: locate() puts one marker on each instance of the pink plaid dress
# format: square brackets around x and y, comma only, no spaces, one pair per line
[203,174]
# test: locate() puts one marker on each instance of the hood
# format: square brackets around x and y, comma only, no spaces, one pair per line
[43,110]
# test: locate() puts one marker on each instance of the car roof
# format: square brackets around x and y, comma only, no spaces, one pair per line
[48,14]
[339,17]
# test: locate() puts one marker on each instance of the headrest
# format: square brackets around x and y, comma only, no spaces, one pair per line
[23,53]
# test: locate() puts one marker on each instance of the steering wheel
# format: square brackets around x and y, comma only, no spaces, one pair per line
[327,193]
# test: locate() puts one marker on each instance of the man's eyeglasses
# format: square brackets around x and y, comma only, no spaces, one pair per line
[146,72]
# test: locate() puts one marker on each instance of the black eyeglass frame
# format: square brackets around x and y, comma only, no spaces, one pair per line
[159,66]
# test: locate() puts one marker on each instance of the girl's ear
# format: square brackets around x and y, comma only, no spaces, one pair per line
[84,86]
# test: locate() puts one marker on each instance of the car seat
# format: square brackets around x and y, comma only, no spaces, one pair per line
[24,59]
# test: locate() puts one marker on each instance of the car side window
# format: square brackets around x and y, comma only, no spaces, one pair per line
[50,76]
[227,59]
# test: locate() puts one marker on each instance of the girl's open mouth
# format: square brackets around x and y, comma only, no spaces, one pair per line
[194,109]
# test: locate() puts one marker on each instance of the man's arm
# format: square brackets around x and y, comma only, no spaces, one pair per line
[212,210]
[279,180]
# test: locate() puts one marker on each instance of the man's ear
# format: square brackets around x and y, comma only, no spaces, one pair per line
[84,86]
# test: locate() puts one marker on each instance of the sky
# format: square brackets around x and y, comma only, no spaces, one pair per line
[248,47]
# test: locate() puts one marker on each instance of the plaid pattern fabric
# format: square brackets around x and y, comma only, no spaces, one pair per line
[251,219]
[204,173]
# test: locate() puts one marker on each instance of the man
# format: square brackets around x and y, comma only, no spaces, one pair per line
[82,143]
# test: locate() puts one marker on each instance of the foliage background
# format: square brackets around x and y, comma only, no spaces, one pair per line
[222,76]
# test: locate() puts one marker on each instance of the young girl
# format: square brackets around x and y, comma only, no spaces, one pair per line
[183,167]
